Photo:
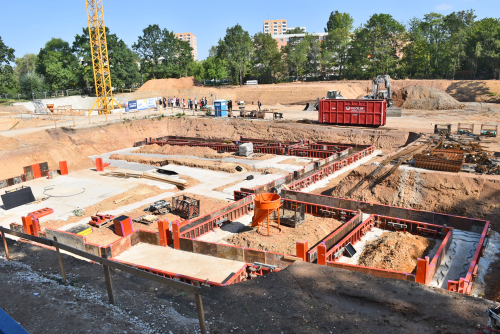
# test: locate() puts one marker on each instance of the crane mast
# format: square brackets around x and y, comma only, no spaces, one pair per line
[100,60]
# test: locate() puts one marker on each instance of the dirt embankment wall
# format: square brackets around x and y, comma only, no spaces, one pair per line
[457,194]
[75,145]
[301,93]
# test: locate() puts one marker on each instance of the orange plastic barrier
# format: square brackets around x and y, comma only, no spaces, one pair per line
[99,165]
[63,166]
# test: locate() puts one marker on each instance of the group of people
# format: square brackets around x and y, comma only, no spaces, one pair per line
[177,102]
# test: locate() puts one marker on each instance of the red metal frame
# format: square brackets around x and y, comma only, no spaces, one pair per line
[41,213]
[464,285]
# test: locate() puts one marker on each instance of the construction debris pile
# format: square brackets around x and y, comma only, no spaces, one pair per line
[459,153]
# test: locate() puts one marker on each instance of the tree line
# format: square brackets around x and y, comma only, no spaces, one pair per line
[60,66]
[454,46]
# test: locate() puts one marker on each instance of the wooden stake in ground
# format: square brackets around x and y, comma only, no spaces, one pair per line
[199,308]
[74,121]
[60,262]
[5,245]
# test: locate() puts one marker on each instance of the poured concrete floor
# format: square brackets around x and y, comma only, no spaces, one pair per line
[185,263]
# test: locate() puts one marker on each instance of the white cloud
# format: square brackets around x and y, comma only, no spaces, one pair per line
[443,7]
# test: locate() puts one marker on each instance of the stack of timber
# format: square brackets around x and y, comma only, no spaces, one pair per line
[137,175]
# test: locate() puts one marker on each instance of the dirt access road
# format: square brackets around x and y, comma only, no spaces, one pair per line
[304,298]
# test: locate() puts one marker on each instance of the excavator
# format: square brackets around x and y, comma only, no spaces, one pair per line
[379,94]
[331,95]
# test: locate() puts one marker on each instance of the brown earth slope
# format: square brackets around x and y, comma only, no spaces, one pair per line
[465,195]
[76,145]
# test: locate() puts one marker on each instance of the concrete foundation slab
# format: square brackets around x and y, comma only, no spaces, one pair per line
[185,263]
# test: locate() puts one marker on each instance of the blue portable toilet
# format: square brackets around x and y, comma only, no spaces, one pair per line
[220,107]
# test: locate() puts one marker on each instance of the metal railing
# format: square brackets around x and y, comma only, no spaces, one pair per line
[196,289]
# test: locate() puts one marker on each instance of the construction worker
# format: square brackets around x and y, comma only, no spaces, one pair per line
[259,104]
[230,108]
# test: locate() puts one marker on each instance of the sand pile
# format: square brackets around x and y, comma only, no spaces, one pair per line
[200,152]
[188,162]
[424,98]
[164,84]
[395,251]
[313,230]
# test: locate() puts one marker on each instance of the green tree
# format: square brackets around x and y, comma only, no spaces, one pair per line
[161,54]
[31,82]
[236,49]
[339,21]
[376,46]
[123,62]
[25,64]
[295,56]
[295,31]
[313,55]
[267,61]
[7,80]
[486,42]
[57,63]
[335,47]
[196,70]
[459,26]
[214,68]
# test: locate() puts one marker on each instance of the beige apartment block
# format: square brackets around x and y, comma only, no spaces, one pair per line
[191,38]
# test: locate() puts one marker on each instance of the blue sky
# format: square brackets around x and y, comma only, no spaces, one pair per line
[28,24]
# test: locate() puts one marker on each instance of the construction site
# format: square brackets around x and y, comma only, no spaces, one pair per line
[325,210]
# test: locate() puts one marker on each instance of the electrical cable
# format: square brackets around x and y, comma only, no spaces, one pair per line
[52,187]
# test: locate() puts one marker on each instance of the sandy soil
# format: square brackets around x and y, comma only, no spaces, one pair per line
[425,98]
[313,230]
[76,145]
[105,236]
[221,188]
[217,165]
[395,251]
[200,152]
[294,161]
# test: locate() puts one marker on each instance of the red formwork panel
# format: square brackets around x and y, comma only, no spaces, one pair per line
[353,112]
[36,171]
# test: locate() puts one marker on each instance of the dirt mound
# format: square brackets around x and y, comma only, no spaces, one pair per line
[163,84]
[395,251]
[425,98]
[313,230]
[14,109]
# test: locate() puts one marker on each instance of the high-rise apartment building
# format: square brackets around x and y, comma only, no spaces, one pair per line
[191,38]
[275,27]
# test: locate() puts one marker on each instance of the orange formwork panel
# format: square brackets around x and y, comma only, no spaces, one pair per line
[123,226]
[63,166]
[31,225]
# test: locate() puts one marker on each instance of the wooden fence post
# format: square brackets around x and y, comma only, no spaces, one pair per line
[6,247]
[109,283]
[60,262]
[199,308]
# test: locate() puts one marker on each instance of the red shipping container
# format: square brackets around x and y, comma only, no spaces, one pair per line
[353,112]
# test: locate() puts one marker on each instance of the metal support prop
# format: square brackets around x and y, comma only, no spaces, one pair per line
[60,262]
[109,283]
[6,247]
[199,308]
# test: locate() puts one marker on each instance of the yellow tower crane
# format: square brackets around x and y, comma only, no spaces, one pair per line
[100,60]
